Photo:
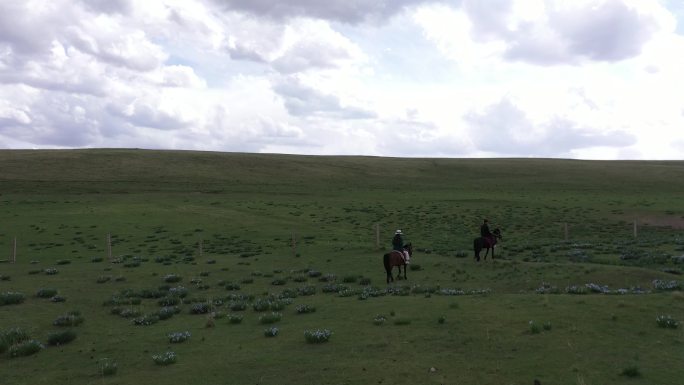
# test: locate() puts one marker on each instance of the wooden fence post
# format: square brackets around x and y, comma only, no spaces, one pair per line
[294,244]
[109,247]
[635,228]
[14,250]
[377,236]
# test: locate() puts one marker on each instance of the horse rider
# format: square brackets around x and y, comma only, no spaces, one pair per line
[398,245]
[485,233]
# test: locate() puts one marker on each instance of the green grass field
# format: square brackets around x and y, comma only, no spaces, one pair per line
[575,306]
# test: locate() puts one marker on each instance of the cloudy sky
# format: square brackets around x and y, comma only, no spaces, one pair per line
[587,79]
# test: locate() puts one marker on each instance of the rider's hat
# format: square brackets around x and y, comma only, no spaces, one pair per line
[397,232]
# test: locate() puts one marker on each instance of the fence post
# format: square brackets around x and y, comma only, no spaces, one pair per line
[14,250]
[635,228]
[294,244]
[377,236]
[109,247]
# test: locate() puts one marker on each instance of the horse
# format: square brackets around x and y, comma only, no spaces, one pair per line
[395,258]
[480,243]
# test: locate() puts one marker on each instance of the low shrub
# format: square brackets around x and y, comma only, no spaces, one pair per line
[146,320]
[50,271]
[61,338]
[631,371]
[46,293]
[379,319]
[237,305]
[11,298]
[317,336]
[25,348]
[108,368]
[63,261]
[270,318]
[72,318]
[164,359]
[304,309]
[235,318]
[172,278]
[58,298]
[168,301]
[178,337]
[11,337]
[666,321]
[533,327]
[200,308]
[167,312]
[271,332]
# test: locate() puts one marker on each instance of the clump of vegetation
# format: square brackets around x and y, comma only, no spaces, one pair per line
[50,271]
[164,359]
[61,338]
[104,278]
[46,293]
[662,285]
[235,318]
[441,319]
[72,318]
[364,281]
[666,321]
[167,312]
[306,290]
[146,320]
[25,348]
[108,367]
[58,298]
[12,337]
[178,337]
[11,298]
[379,319]
[200,308]
[402,321]
[231,286]
[63,261]
[271,332]
[533,327]
[303,309]
[317,336]
[270,318]
[172,278]
[631,371]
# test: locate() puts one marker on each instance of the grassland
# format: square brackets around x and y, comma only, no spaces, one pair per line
[579,309]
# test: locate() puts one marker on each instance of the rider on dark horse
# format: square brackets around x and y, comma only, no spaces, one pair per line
[398,245]
[485,233]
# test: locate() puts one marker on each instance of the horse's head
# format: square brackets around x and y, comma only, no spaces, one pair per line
[408,247]
[497,233]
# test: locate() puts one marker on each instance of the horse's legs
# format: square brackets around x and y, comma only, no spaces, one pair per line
[405,272]
[486,253]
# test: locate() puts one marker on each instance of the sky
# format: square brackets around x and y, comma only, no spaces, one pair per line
[581,79]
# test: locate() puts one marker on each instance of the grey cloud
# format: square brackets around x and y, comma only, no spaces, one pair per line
[145,115]
[302,101]
[309,55]
[609,31]
[122,7]
[346,11]
[505,129]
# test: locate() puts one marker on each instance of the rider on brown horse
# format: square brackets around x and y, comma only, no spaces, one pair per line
[398,244]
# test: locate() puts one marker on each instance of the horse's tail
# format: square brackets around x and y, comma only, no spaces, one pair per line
[386,262]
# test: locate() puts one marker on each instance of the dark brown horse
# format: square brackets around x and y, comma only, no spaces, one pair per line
[394,258]
[486,243]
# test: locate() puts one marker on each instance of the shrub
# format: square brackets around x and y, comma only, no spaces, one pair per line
[72,318]
[300,278]
[146,320]
[278,282]
[235,318]
[365,281]
[11,337]
[11,298]
[104,278]
[317,336]
[172,278]
[547,326]
[25,348]
[200,308]
[61,338]
[129,313]
[58,298]
[441,319]
[314,273]
[108,368]
[178,337]
[349,279]
[261,305]
[666,321]
[63,261]
[50,271]
[270,318]
[271,332]
[666,285]
[163,359]
[237,305]
[631,371]
[303,309]
[306,290]
[96,259]
[167,312]
[46,293]
[168,301]
[379,319]
[230,286]
[178,291]
[533,327]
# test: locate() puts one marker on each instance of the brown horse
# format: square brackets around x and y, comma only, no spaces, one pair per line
[394,258]
[486,243]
